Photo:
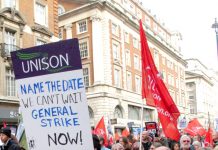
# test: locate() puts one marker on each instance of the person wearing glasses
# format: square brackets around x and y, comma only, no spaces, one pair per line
[185,142]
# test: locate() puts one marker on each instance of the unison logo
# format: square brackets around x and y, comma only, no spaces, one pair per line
[41,61]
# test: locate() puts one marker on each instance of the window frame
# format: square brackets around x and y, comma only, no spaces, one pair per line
[39,19]
[86,77]
[86,52]
[78,26]
[129,80]
[137,84]
[117,77]
[11,87]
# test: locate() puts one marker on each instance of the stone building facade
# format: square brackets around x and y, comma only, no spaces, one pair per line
[23,23]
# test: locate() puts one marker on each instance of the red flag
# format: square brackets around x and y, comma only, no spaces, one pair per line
[125,132]
[101,130]
[4,124]
[208,141]
[156,93]
[195,128]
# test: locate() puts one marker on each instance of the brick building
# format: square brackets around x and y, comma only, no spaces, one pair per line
[23,23]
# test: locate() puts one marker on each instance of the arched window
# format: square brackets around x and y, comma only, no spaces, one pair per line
[118,112]
[91,113]
[61,10]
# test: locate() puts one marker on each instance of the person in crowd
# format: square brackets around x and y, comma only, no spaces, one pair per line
[175,146]
[102,142]
[8,143]
[163,148]
[215,139]
[146,140]
[96,142]
[136,146]
[155,145]
[197,145]
[185,142]
[117,146]
[124,141]
[131,139]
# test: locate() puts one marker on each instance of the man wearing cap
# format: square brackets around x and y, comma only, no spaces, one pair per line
[9,144]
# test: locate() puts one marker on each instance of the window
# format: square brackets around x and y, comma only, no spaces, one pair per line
[129,81]
[83,46]
[40,42]
[10,41]
[60,33]
[115,29]
[156,59]
[117,77]
[82,26]
[128,61]
[116,51]
[10,3]
[133,112]
[139,13]
[132,7]
[147,114]
[135,43]
[137,84]
[118,112]
[40,14]
[147,21]
[86,76]
[155,27]
[136,61]
[192,109]
[60,10]
[191,97]
[126,37]
[10,82]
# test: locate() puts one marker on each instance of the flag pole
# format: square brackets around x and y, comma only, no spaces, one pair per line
[140,140]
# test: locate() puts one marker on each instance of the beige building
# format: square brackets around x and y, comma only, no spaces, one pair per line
[23,23]
[201,87]
[109,41]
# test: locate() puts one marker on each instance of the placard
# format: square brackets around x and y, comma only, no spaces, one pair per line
[151,127]
[50,86]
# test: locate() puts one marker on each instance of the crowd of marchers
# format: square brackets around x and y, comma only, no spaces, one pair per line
[151,142]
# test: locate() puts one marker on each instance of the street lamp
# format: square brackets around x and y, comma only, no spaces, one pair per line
[215,26]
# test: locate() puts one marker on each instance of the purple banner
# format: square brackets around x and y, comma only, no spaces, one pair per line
[47,59]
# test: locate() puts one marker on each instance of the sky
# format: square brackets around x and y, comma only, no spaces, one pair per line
[193,19]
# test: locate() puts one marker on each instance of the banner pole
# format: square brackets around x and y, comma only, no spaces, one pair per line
[140,141]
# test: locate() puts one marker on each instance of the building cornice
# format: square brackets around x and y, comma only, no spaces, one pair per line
[13,12]
[194,75]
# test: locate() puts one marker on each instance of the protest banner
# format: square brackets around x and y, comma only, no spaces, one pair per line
[50,86]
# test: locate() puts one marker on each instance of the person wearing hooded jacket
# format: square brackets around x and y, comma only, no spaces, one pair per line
[8,143]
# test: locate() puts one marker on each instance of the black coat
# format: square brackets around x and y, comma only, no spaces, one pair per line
[11,145]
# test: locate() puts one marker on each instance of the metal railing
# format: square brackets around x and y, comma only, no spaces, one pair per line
[7,48]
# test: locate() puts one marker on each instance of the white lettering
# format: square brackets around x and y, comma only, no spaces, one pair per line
[45,63]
